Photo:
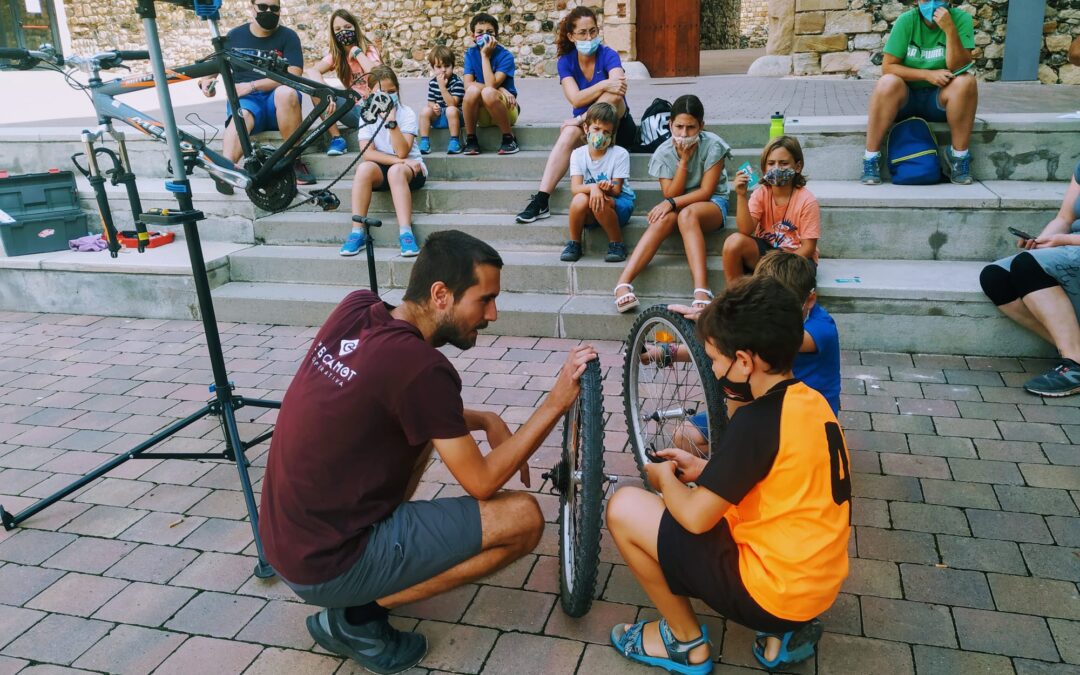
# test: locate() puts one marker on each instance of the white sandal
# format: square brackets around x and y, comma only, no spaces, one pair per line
[702,303]
[622,303]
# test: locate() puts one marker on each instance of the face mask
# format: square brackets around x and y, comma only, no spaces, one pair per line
[686,141]
[345,37]
[267,20]
[484,39]
[778,177]
[599,139]
[588,47]
[738,392]
[393,97]
[927,9]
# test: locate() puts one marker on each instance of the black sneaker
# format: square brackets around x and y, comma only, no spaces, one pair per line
[303,175]
[375,645]
[572,252]
[472,146]
[1061,380]
[537,208]
[616,252]
[509,146]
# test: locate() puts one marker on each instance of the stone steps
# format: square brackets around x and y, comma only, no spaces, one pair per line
[938,222]
[1038,147]
[887,305]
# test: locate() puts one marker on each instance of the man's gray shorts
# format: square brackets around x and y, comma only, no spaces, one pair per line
[418,541]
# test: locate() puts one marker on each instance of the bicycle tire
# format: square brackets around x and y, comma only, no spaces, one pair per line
[650,427]
[581,499]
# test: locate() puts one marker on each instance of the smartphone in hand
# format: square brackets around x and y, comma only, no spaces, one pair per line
[1020,233]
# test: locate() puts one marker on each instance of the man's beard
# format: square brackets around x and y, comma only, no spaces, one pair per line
[449,332]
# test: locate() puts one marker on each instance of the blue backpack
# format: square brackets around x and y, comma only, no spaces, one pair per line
[913,153]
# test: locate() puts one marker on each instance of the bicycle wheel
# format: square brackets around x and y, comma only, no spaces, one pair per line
[670,393]
[579,480]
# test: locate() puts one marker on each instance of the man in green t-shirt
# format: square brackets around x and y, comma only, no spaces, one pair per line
[926,73]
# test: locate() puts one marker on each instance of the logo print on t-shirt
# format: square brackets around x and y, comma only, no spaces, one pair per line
[348,347]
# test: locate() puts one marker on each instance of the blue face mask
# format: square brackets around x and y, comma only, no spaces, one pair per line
[927,9]
[588,47]
[393,97]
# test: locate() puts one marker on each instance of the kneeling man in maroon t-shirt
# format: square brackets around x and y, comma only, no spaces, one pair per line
[357,426]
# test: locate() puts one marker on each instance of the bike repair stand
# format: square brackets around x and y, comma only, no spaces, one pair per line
[224,404]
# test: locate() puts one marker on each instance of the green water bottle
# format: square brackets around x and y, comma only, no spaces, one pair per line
[776,125]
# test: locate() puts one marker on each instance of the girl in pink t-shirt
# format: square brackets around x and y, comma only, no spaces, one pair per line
[780,214]
[351,57]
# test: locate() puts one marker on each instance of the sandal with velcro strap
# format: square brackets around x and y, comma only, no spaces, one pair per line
[795,646]
[702,304]
[627,640]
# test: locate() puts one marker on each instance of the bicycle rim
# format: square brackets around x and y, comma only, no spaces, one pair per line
[668,385]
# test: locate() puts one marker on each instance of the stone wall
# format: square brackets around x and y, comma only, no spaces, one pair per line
[846,36]
[408,28]
[753,24]
[720,23]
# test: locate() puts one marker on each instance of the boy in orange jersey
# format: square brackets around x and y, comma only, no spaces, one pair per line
[762,534]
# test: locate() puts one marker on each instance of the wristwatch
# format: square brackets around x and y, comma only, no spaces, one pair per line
[392,124]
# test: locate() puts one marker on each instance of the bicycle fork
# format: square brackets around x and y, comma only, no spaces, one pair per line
[119,174]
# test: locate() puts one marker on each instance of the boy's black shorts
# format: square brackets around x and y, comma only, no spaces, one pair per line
[706,566]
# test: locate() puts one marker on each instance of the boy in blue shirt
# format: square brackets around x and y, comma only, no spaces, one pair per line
[490,94]
[818,361]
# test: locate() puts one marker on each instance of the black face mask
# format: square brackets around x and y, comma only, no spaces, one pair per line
[738,392]
[345,37]
[267,20]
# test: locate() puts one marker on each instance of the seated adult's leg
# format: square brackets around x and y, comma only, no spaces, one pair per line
[633,518]
[231,142]
[998,285]
[740,253]
[512,525]
[287,110]
[558,161]
[960,98]
[889,95]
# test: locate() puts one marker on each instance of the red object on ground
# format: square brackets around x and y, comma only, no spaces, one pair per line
[130,239]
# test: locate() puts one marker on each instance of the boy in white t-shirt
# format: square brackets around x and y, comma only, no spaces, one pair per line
[391,162]
[599,171]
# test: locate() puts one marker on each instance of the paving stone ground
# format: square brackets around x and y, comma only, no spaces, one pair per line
[965,547]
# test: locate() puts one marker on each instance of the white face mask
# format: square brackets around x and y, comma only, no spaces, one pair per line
[686,141]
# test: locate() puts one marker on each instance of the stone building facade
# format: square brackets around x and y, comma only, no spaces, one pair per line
[753,23]
[734,24]
[408,28]
[846,36]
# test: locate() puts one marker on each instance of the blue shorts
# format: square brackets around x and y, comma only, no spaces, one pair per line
[923,102]
[722,203]
[624,207]
[701,423]
[441,122]
[262,108]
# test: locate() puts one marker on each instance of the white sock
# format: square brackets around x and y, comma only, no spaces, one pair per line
[404,228]
[871,155]
[959,153]
[357,228]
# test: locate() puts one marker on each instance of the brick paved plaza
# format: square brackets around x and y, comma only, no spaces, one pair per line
[964,555]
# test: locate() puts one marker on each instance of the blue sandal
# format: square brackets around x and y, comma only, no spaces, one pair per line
[795,646]
[628,642]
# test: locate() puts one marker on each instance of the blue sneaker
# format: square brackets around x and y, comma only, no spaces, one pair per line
[959,167]
[425,145]
[337,147]
[871,170]
[409,249]
[353,244]
[454,146]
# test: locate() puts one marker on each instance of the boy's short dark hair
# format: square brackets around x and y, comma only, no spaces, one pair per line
[449,256]
[756,314]
[794,271]
[601,112]
[483,17]
[441,56]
